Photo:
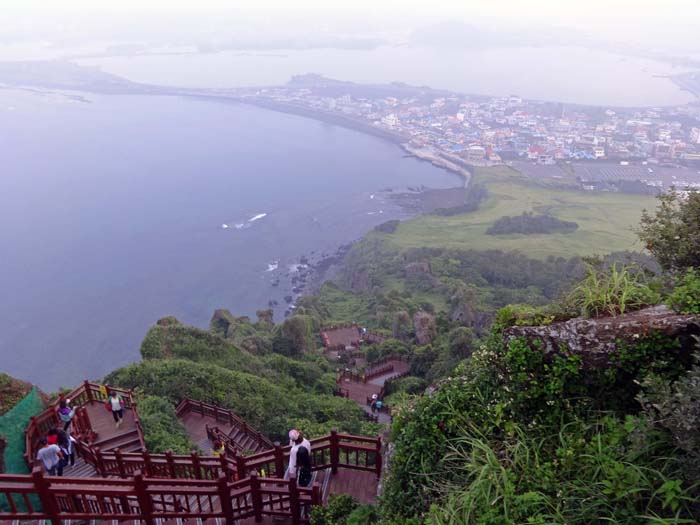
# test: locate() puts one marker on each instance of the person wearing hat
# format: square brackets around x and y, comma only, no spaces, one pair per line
[297,468]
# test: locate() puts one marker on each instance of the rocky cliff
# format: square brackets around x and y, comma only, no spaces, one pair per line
[596,340]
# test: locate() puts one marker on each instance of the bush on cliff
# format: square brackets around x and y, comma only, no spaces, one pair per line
[685,298]
[273,407]
[519,436]
[187,342]
[162,430]
[672,233]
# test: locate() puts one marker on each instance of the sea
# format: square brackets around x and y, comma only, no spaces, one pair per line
[116,211]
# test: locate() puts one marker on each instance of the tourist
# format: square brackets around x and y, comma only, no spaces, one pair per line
[66,443]
[373,404]
[296,440]
[115,403]
[218,449]
[65,413]
[379,405]
[51,457]
[52,436]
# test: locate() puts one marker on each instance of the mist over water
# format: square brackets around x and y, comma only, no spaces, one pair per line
[563,74]
[112,215]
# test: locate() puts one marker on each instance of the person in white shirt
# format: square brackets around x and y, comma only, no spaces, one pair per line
[296,440]
[51,457]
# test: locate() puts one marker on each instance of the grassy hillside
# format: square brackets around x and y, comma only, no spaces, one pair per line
[605,219]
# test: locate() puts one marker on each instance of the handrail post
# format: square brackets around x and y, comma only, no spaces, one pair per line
[147,463]
[279,460]
[294,499]
[225,499]
[196,465]
[99,461]
[335,452]
[241,466]
[43,489]
[144,499]
[378,457]
[88,390]
[316,494]
[256,497]
[171,463]
[120,462]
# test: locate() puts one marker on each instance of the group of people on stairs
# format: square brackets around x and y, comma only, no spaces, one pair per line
[57,448]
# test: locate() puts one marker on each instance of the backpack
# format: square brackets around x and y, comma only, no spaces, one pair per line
[65,414]
[303,467]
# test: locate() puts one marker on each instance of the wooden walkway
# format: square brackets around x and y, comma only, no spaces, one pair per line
[359,391]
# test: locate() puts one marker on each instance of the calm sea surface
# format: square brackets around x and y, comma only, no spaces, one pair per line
[111,217]
[565,74]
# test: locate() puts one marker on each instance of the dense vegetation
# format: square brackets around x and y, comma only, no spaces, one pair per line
[528,223]
[672,233]
[272,391]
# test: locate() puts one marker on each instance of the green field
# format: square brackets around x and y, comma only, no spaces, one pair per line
[605,219]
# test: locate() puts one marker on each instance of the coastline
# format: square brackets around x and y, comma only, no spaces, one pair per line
[450,163]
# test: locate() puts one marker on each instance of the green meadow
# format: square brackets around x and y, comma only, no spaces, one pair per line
[606,220]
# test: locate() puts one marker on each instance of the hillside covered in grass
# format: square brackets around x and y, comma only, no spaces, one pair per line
[605,220]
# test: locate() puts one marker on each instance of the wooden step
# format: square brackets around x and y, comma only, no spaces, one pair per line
[121,440]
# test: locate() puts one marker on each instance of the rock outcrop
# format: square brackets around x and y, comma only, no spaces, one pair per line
[424,327]
[595,340]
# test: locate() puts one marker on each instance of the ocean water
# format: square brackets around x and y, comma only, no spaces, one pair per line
[563,74]
[112,214]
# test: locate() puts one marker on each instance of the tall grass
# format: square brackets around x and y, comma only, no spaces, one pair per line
[611,292]
[584,474]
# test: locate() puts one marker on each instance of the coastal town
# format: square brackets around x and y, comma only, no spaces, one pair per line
[641,150]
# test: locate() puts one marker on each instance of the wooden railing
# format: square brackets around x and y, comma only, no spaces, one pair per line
[166,486]
[87,392]
[222,415]
[231,448]
[40,497]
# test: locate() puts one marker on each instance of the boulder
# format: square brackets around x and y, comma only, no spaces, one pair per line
[596,340]
[424,327]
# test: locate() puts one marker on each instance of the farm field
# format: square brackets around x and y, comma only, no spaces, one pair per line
[605,220]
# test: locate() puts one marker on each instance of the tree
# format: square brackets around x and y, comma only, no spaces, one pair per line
[672,233]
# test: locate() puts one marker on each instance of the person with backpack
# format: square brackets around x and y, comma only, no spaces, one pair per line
[115,404]
[297,441]
[66,443]
[51,458]
[65,413]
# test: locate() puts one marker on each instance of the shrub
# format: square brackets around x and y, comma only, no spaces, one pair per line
[672,233]
[162,430]
[611,292]
[529,224]
[335,512]
[526,315]
[685,298]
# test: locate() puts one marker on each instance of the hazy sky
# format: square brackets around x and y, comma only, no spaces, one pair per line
[669,24]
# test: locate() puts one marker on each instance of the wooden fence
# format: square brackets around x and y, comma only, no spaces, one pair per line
[222,415]
[87,392]
[165,486]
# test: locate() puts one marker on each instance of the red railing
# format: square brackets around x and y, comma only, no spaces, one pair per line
[39,497]
[168,486]
[223,415]
[87,392]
